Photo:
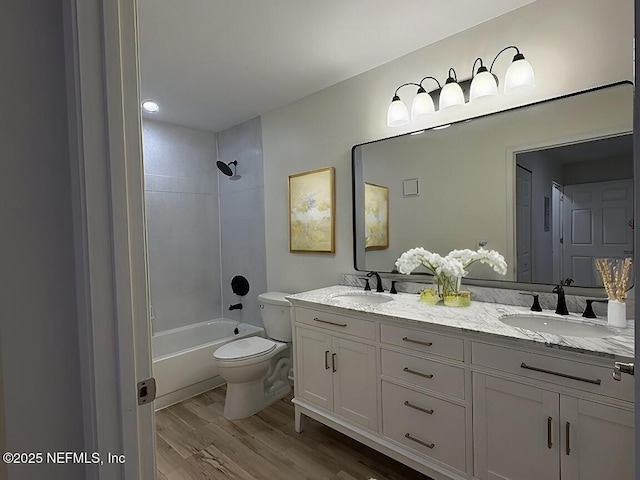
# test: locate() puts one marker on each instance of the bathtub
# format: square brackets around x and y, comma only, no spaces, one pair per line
[183,364]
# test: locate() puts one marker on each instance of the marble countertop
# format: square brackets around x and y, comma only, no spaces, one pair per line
[479,317]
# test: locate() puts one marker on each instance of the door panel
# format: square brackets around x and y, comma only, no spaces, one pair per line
[600,440]
[595,224]
[355,382]
[315,382]
[515,430]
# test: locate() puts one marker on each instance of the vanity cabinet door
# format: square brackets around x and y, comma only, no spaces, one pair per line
[314,376]
[597,441]
[338,374]
[354,381]
[515,430]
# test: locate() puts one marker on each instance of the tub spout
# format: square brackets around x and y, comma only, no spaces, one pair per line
[237,306]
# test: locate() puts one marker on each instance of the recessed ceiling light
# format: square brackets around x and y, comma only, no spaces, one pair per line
[442,126]
[418,132]
[150,106]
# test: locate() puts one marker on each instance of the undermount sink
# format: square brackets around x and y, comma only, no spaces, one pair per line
[557,325]
[362,298]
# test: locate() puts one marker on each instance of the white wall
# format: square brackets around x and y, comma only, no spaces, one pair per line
[39,341]
[572,44]
[181,201]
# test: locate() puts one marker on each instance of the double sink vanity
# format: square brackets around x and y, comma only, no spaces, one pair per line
[488,391]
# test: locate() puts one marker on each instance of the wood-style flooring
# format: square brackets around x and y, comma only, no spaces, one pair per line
[194,441]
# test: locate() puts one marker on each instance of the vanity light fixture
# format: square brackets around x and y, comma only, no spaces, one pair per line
[422,104]
[483,83]
[150,106]
[451,94]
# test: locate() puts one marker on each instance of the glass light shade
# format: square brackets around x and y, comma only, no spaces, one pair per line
[483,85]
[451,95]
[422,105]
[397,115]
[519,77]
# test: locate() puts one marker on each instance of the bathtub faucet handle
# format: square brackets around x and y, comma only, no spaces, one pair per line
[237,306]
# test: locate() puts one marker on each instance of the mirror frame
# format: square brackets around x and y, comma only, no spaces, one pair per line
[357,178]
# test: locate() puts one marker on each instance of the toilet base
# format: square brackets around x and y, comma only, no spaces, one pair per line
[246,399]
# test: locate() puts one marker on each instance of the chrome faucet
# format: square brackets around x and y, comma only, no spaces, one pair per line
[378,281]
[561,307]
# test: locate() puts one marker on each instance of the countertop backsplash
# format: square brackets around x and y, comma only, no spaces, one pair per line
[575,303]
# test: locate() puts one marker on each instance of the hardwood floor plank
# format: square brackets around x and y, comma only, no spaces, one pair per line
[168,459]
[179,435]
[195,441]
[342,475]
[266,459]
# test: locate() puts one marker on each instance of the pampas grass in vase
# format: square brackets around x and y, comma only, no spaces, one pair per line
[615,279]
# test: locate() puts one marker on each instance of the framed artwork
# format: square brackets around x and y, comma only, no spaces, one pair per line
[312,211]
[376,213]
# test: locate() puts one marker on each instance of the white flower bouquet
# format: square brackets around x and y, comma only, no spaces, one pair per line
[449,270]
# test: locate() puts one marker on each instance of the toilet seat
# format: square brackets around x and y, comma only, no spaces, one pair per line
[244,348]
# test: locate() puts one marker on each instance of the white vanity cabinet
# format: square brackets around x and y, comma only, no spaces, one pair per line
[553,430]
[462,405]
[334,371]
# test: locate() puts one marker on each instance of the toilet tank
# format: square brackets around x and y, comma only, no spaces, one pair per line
[276,315]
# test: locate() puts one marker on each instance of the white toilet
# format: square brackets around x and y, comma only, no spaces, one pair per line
[257,369]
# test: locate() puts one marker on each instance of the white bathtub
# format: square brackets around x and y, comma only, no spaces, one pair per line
[183,364]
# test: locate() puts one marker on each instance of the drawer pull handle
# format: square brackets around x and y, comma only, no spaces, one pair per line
[419,342]
[568,439]
[425,375]
[549,433]
[326,360]
[417,440]
[416,407]
[330,323]
[597,381]
[333,362]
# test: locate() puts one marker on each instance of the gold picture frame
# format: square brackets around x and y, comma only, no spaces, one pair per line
[312,211]
[376,224]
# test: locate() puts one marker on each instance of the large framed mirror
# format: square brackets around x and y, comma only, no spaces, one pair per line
[548,185]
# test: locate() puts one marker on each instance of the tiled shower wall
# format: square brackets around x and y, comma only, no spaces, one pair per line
[183,236]
[242,219]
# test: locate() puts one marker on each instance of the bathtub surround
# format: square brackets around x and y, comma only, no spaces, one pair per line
[181,196]
[242,219]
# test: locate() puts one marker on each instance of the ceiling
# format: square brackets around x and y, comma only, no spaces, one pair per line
[212,64]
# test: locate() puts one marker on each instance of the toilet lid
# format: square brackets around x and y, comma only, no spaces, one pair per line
[244,348]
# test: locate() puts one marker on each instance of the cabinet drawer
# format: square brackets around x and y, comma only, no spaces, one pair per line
[436,428]
[570,373]
[336,323]
[423,341]
[424,373]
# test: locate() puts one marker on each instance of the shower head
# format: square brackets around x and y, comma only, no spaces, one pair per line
[226,167]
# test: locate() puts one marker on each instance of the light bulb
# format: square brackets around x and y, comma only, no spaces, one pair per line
[397,115]
[483,85]
[519,76]
[451,95]
[422,104]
